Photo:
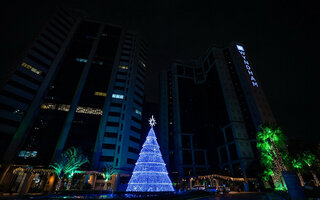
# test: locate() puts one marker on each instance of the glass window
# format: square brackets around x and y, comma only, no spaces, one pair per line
[118,96]
[137,111]
[81,60]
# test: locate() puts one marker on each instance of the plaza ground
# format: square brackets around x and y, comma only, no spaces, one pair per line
[190,196]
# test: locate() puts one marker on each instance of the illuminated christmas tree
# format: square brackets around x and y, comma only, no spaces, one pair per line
[150,173]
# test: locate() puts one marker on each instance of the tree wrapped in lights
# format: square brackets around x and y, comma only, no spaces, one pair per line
[270,143]
[150,173]
[67,164]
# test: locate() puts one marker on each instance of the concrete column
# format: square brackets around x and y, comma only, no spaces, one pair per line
[4,174]
[94,181]
[26,183]
[217,182]
[21,183]
[190,183]
[116,182]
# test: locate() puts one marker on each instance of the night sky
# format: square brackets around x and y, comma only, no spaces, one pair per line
[281,39]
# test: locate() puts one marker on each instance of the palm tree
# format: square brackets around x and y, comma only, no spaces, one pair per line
[271,144]
[75,160]
[108,171]
[58,168]
[67,163]
[298,164]
[310,159]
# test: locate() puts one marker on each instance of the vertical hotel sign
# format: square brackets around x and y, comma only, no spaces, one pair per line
[249,70]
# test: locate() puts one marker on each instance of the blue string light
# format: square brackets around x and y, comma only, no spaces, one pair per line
[150,173]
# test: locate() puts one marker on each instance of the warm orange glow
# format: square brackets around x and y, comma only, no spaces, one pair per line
[91,179]
[51,180]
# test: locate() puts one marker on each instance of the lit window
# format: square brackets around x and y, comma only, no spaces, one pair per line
[18,111]
[49,106]
[22,153]
[240,48]
[81,60]
[97,62]
[142,63]
[63,107]
[34,70]
[138,112]
[103,94]
[123,67]
[88,110]
[28,154]
[66,108]
[117,96]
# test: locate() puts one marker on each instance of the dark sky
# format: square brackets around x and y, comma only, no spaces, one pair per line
[281,38]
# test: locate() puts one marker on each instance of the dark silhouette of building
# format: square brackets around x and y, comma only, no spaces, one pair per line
[80,84]
[211,109]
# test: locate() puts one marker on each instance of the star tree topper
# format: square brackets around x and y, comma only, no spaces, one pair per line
[152,121]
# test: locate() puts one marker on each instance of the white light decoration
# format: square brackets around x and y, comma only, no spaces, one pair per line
[249,70]
[240,48]
[152,121]
[150,173]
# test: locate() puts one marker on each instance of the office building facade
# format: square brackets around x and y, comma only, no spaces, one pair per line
[81,84]
[211,109]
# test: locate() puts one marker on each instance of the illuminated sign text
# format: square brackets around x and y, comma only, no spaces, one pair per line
[243,54]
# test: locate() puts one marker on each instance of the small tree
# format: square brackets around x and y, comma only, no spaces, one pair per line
[108,171]
[58,168]
[67,163]
[311,160]
[75,160]
[297,163]
[271,145]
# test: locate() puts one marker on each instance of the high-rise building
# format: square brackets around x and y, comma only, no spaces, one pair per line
[211,109]
[80,84]
[23,92]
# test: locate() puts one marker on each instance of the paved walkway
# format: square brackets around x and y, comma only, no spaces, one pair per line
[242,196]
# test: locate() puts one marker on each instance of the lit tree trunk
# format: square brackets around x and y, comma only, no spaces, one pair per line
[106,184]
[246,185]
[59,183]
[316,180]
[279,166]
[300,178]
[278,157]
[266,184]
[69,183]
[94,181]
